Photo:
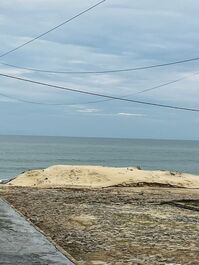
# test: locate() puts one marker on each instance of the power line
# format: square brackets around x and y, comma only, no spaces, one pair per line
[32,102]
[99,101]
[103,71]
[84,103]
[52,29]
[99,94]
[152,88]
[86,72]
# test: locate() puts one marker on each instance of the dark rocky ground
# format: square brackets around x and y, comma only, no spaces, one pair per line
[116,225]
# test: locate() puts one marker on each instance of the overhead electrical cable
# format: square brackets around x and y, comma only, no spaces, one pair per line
[33,102]
[97,101]
[52,29]
[152,88]
[100,101]
[42,103]
[102,71]
[86,72]
[99,94]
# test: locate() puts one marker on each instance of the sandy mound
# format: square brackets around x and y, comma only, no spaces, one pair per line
[98,177]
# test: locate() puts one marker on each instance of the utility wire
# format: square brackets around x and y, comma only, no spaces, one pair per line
[103,71]
[42,103]
[99,101]
[150,89]
[52,29]
[89,102]
[86,72]
[33,102]
[99,94]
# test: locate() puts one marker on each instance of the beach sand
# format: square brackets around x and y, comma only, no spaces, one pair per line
[112,216]
[101,177]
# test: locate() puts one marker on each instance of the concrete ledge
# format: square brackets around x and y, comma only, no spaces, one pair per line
[24,243]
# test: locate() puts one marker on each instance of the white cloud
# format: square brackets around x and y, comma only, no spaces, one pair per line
[87,110]
[130,114]
[13,71]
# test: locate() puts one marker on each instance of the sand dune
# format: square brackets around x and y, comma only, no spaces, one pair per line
[99,177]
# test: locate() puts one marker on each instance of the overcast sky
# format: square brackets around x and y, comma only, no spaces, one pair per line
[116,34]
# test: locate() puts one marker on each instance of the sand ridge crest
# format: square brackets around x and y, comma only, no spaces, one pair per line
[101,177]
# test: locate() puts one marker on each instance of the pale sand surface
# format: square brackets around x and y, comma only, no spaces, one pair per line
[101,177]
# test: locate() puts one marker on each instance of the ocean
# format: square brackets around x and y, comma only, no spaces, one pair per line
[21,153]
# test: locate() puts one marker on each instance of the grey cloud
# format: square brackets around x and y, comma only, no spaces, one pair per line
[115,35]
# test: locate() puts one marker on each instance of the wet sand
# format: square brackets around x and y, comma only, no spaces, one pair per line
[120,225]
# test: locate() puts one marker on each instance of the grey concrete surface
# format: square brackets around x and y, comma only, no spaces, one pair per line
[22,244]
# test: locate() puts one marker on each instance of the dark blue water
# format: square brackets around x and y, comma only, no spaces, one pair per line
[19,153]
